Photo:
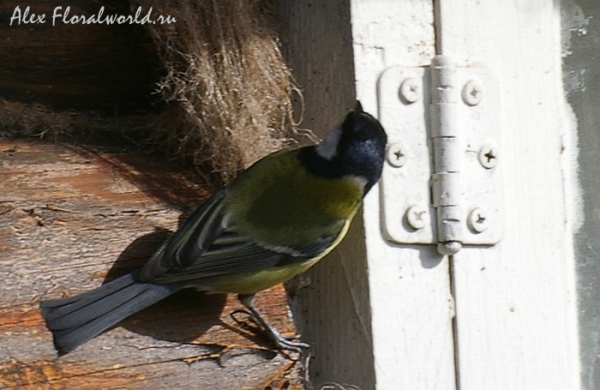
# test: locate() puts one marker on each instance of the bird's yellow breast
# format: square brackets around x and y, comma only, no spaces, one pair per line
[280,203]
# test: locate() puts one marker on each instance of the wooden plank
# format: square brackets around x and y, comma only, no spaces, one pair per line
[333,307]
[381,314]
[72,217]
[410,296]
[516,302]
[581,75]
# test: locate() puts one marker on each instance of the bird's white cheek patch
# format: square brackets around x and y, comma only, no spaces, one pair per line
[328,147]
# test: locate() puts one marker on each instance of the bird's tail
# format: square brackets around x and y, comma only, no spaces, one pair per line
[78,319]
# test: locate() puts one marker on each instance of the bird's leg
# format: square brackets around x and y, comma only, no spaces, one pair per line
[270,331]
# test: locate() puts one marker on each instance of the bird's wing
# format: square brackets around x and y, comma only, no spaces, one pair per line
[189,241]
[203,248]
[231,253]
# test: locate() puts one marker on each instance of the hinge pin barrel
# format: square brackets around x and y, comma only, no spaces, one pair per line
[446,167]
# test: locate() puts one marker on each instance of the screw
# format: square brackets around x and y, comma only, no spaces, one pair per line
[478,220]
[488,156]
[410,90]
[416,217]
[472,93]
[397,154]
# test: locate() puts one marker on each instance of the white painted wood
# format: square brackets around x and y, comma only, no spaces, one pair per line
[581,74]
[332,310]
[386,322]
[515,302]
[409,288]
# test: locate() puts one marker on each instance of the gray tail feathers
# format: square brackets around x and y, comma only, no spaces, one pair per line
[76,320]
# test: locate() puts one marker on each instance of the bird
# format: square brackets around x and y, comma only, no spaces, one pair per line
[274,221]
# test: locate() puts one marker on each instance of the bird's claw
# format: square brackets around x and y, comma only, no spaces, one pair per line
[283,342]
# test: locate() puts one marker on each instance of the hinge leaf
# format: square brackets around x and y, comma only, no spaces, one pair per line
[442,182]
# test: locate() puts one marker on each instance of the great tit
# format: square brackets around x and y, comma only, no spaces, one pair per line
[276,220]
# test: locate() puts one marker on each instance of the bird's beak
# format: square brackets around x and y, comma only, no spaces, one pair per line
[358,107]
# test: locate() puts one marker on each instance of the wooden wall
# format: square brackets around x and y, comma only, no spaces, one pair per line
[78,210]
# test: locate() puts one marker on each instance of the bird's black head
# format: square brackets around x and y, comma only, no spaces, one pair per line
[356,147]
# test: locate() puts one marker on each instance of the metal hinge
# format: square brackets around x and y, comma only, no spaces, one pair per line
[442,182]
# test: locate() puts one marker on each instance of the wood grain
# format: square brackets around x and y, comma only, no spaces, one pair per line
[74,216]
[516,302]
[411,303]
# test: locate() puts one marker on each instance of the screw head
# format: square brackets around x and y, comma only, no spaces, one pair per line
[397,154]
[410,90]
[416,216]
[478,220]
[472,93]
[488,156]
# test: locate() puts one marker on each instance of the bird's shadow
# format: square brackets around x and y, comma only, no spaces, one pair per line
[187,314]
[181,317]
